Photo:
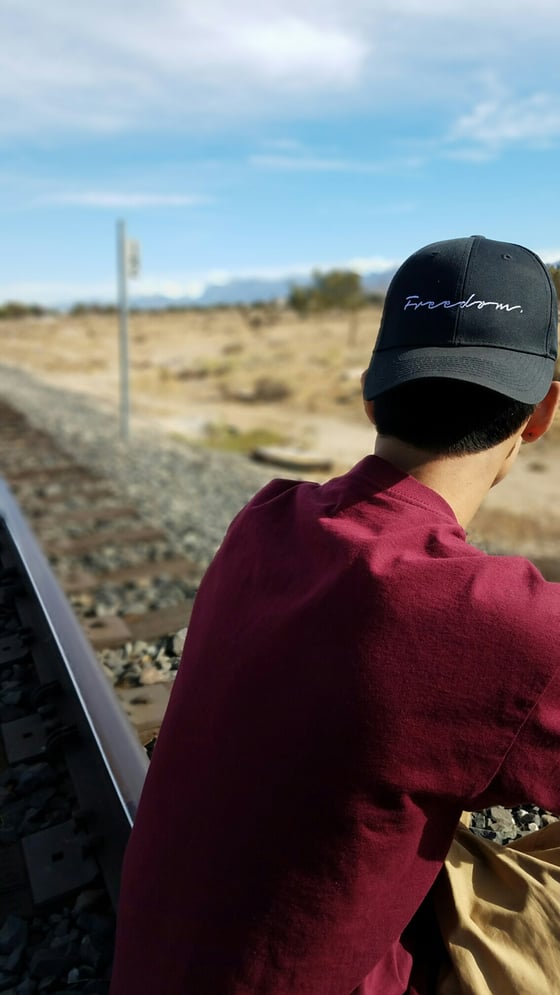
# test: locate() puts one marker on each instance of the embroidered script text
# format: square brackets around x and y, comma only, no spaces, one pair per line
[413,300]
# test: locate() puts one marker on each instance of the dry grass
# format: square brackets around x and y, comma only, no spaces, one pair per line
[504,526]
[199,357]
[218,375]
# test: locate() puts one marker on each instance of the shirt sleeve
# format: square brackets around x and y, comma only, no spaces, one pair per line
[530,771]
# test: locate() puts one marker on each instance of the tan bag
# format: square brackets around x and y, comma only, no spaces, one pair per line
[498,908]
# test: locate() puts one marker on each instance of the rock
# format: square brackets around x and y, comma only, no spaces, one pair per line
[503,820]
[151,675]
[13,934]
[179,641]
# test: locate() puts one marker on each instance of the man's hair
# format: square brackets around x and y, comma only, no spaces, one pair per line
[448,417]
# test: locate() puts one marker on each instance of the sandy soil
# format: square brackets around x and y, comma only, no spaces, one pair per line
[240,377]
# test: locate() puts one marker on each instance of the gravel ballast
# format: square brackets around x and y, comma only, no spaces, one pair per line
[192,494]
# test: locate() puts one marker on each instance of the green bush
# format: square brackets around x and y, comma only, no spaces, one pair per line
[15,309]
[339,290]
[555,274]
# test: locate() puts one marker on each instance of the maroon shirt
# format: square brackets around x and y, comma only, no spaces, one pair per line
[354,676]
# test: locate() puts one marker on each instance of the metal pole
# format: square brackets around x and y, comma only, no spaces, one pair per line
[123,329]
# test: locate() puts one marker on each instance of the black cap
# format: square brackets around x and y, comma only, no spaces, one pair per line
[469,309]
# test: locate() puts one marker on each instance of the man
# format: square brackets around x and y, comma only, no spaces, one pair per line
[355,674]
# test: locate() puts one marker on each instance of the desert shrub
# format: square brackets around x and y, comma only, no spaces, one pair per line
[555,274]
[302,300]
[15,309]
[259,314]
[232,348]
[230,439]
[270,389]
[335,290]
[82,307]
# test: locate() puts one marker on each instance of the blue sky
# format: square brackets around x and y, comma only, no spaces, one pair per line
[245,138]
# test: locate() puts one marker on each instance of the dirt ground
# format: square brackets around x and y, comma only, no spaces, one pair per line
[240,378]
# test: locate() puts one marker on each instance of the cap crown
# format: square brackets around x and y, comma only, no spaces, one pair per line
[472,291]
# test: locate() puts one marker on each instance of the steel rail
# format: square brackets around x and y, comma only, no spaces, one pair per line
[125,760]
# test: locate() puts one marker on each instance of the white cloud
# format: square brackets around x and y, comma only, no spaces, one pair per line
[294,52]
[56,292]
[194,284]
[284,144]
[175,285]
[118,65]
[314,164]
[122,200]
[549,255]
[504,120]
[371,264]
[320,164]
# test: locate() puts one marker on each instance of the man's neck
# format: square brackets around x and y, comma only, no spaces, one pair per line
[463,481]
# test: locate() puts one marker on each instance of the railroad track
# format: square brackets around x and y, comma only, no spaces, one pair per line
[83,583]
[71,771]
[130,590]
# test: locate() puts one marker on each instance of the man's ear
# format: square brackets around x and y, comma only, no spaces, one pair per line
[543,415]
[368,405]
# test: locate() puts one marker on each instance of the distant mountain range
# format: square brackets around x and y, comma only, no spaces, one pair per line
[248,291]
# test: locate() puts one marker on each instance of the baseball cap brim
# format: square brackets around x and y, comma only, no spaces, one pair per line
[528,380]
